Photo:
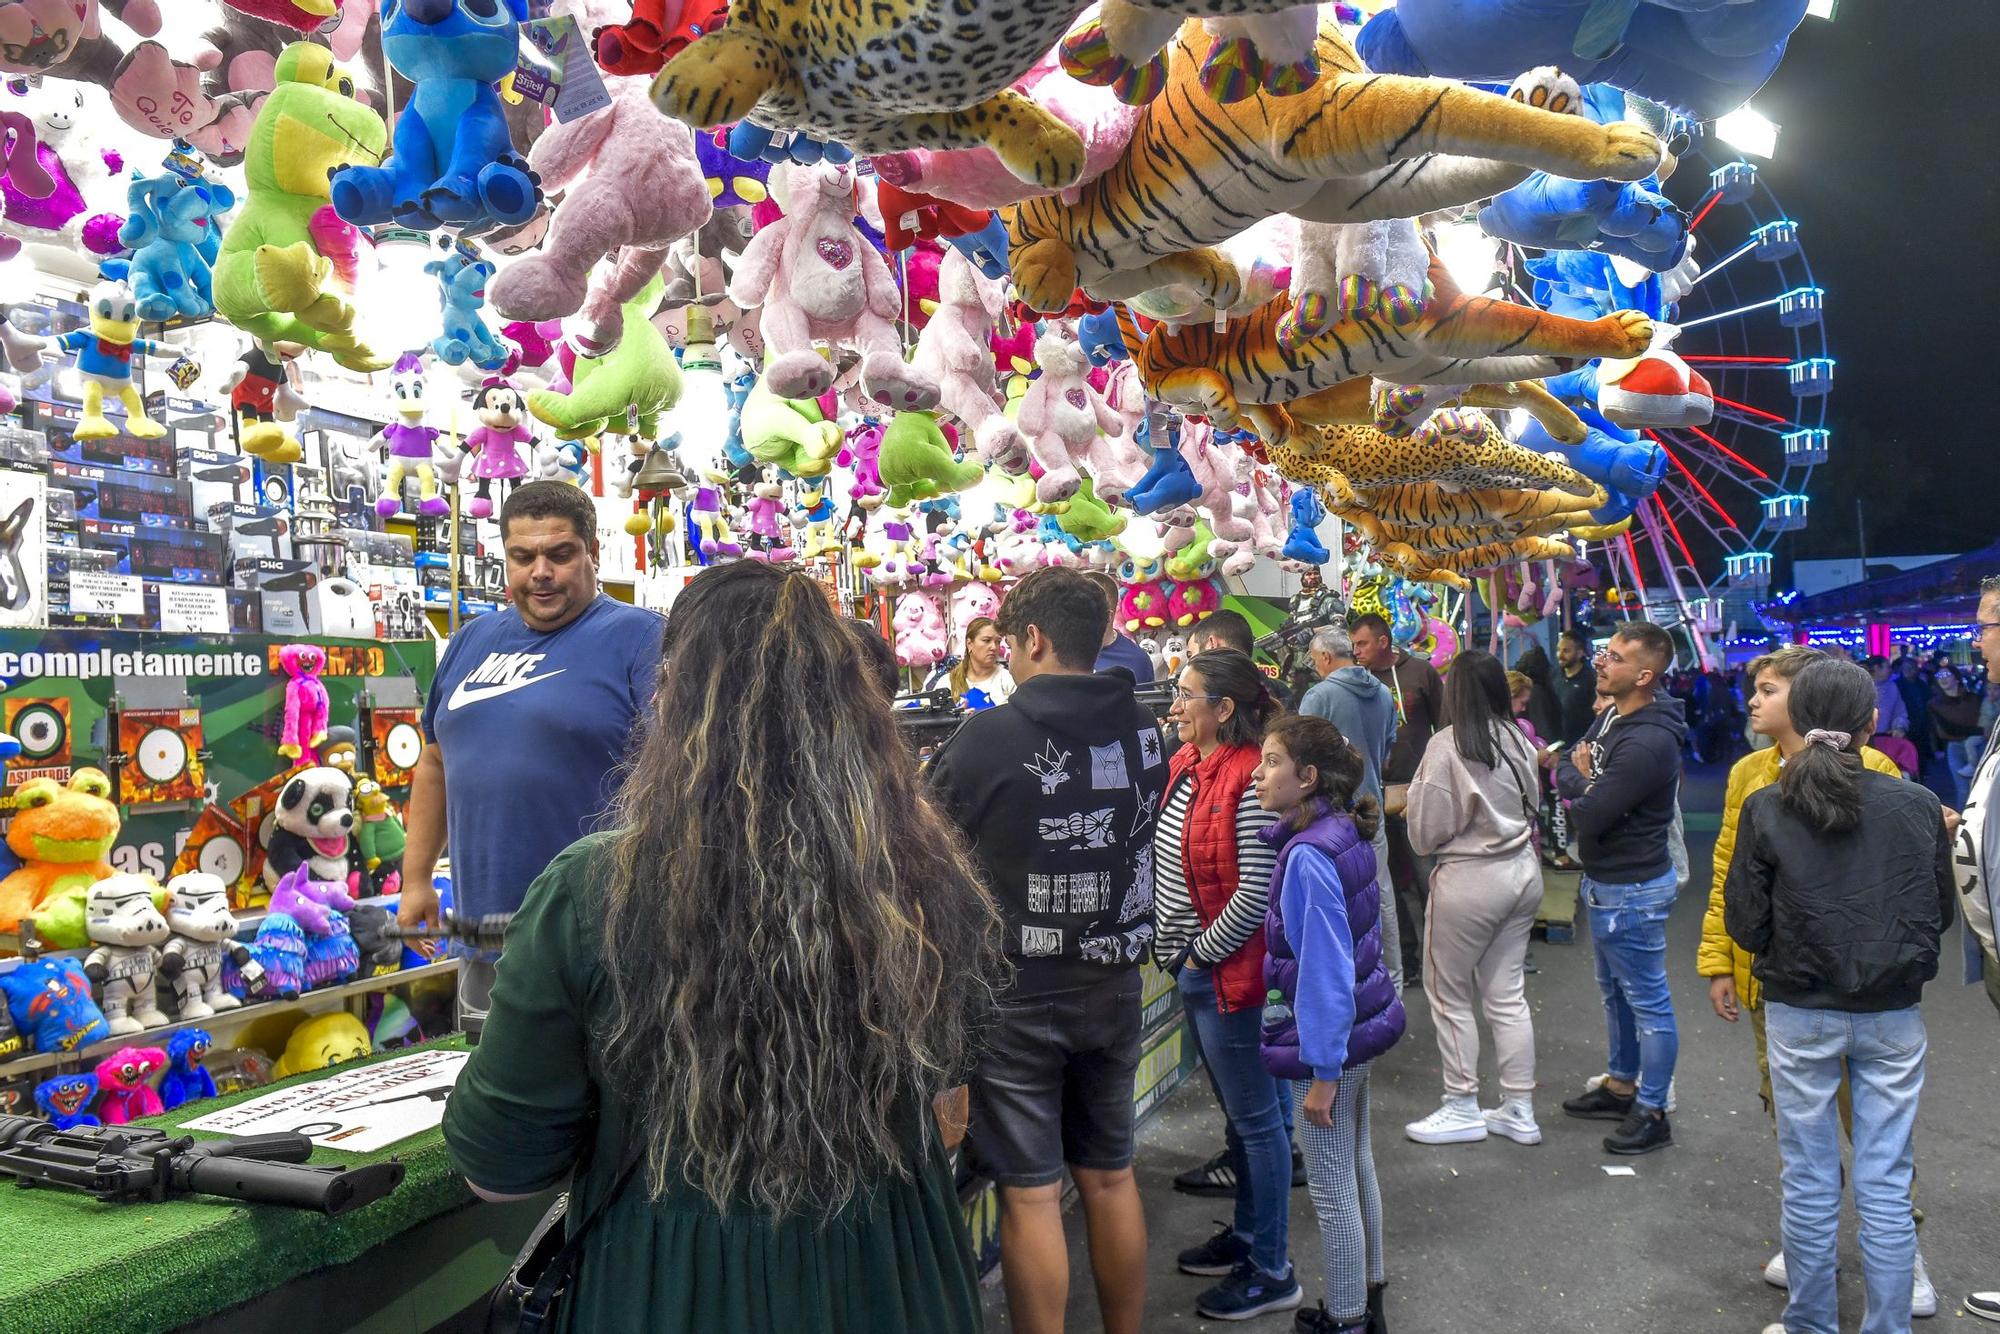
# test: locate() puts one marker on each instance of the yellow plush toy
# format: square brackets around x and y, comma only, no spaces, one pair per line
[324,1040]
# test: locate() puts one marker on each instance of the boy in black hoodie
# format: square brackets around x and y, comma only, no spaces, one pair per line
[1622,781]
[1057,790]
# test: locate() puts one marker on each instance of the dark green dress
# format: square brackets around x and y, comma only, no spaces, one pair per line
[533,1102]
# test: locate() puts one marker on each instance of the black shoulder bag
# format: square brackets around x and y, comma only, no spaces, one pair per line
[529,1300]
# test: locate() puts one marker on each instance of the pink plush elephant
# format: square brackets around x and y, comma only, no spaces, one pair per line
[1061,416]
[974,177]
[920,636]
[633,188]
[955,350]
[816,277]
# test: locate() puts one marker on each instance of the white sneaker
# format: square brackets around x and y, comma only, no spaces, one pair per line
[1923,1295]
[1515,1119]
[1985,1305]
[1456,1122]
[1778,1328]
[1597,1081]
[1774,1272]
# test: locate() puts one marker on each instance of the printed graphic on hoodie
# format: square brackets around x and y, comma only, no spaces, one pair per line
[1080,830]
[1107,766]
[1051,767]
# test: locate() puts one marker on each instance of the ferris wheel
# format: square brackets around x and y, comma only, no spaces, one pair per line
[1753,325]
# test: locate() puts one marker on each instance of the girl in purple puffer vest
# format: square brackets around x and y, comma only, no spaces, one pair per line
[1323,959]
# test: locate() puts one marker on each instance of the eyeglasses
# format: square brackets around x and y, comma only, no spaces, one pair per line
[1182,696]
[1981,627]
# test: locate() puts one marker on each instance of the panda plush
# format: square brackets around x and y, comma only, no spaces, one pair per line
[312,822]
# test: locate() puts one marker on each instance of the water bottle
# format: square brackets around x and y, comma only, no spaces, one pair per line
[1277,1014]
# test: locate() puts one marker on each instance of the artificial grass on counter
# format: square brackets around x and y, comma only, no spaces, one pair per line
[75,1266]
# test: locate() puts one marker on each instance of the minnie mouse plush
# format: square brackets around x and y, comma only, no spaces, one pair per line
[498,440]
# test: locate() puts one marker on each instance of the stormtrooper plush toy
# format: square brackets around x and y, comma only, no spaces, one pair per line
[204,934]
[312,823]
[127,931]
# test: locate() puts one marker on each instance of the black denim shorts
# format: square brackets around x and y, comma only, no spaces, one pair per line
[1054,1085]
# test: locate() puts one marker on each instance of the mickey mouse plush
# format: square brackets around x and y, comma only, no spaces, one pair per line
[312,823]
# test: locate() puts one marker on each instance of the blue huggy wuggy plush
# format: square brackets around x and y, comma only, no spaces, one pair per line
[451,161]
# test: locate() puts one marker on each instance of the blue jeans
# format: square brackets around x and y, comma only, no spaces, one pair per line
[1261,1151]
[1628,928]
[1884,1059]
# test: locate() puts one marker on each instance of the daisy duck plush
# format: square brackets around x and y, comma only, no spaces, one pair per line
[413,446]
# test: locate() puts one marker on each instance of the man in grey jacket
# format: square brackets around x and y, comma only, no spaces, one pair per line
[1976,855]
[1351,698]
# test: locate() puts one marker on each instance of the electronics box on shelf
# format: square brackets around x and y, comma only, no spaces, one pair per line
[24,450]
[379,558]
[177,555]
[285,589]
[215,478]
[253,532]
[399,611]
[119,494]
[127,452]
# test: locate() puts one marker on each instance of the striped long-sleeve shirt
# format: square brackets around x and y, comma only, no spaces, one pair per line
[1176,920]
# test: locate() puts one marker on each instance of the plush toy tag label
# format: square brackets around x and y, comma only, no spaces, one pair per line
[569,82]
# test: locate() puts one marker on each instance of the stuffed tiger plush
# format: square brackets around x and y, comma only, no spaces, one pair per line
[881,76]
[1426,504]
[1413,564]
[1355,147]
[1445,538]
[1473,454]
[1458,340]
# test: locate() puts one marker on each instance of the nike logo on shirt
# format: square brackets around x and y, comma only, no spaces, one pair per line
[500,674]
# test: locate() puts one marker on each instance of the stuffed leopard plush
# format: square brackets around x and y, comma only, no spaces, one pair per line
[1454,450]
[1427,504]
[1413,564]
[883,76]
[1353,147]
[1331,377]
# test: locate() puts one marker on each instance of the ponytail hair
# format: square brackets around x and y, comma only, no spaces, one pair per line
[1315,741]
[1833,707]
[1229,674]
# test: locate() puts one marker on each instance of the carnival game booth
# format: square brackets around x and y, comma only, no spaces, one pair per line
[1932,607]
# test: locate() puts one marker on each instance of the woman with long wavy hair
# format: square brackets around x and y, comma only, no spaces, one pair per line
[730,1013]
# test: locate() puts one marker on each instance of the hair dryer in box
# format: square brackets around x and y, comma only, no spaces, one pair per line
[215,478]
[285,589]
[253,531]
[177,555]
[126,452]
[126,497]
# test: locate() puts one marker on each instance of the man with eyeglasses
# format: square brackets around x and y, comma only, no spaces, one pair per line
[1976,857]
[1622,782]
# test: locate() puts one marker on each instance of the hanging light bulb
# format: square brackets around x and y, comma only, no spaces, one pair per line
[701,417]
[397,308]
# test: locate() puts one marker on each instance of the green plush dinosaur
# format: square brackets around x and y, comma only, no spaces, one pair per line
[1191,561]
[272,279]
[638,376]
[1089,519]
[791,433]
[916,462]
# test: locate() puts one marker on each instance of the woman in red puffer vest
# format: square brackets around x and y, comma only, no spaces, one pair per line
[1212,880]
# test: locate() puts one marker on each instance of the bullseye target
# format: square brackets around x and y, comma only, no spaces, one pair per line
[42,728]
[161,755]
[221,857]
[403,745]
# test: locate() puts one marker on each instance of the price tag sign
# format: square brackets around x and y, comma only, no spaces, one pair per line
[193,609]
[101,594]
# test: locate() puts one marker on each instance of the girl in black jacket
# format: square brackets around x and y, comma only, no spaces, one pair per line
[1841,886]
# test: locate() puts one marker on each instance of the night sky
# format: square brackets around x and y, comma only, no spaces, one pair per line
[1887,161]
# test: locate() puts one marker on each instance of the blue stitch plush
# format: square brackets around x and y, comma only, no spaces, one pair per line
[452,161]
[174,233]
[1302,542]
[462,278]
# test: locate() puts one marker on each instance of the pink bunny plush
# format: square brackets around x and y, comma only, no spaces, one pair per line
[1061,416]
[955,349]
[1220,469]
[920,637]
[633,188]
[817,277]
[974,177]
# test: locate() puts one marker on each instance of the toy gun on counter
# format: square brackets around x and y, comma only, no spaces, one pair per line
[481,933]
[122,1164]
[926,719]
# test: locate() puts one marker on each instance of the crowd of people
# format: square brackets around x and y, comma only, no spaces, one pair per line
[736,1018]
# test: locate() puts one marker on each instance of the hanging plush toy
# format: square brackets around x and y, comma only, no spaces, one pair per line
[655,34]
[104,353]
[49,1002]
[204,935]
[497,442]
[1062,415]
[1302,542]
[305,702]
[793,434]
[62,836]
[187,1079]
[174,232]
[462,278]
[625,391]
[276,277]
[412,446]
[919,626]
[632,187]
[126,1077]
[916,461]
[453,162]
[126,932]
[263,396]
[818,278]
[61,188]
[955,349]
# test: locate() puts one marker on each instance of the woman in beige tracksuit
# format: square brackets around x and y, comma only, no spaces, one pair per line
[1472,809]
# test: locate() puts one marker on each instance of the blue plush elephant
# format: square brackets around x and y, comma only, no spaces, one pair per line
[1101,339]
[173,230]
[1704,57]
[462,279]
[452,161]
[1632,220]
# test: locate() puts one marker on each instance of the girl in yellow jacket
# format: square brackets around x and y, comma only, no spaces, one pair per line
[1731,988]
